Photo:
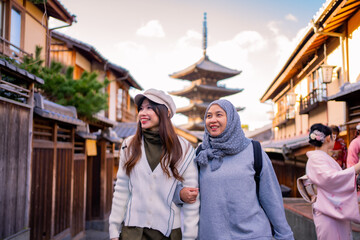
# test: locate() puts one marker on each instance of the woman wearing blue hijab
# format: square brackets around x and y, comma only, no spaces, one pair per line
[229,206]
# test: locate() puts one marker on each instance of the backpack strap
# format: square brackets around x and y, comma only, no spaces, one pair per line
[198,149]
[257,164]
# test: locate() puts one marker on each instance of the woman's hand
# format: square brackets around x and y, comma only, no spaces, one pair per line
[115,239]
[188,194]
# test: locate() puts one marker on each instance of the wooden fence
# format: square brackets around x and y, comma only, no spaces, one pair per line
[14,166]
[52,180]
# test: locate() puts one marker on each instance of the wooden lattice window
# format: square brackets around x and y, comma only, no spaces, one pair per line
[14,88]
[64,133]
[43,130]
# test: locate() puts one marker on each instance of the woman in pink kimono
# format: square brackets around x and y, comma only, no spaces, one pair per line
[336,204]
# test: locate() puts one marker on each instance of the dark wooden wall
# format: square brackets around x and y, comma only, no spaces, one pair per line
[79,200]
[14,167]
[52,180]
[100,182]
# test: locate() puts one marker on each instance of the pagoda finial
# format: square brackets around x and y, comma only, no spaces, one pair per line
[204,35]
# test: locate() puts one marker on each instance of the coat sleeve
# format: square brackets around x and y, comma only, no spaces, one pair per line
[120,197]
[271,201]
[191,211]
[176,199]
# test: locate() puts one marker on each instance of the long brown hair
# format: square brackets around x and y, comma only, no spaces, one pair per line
[172,150]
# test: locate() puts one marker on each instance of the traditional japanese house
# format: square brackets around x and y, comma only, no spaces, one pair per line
[101,152]
[322,67]
[16,118]
[53,176]
[84,57]
[21,19]
[204,76]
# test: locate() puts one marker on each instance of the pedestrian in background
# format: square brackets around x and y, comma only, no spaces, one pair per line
[230,208]
[152,163]
[336,203]
[339,151]
[354,149]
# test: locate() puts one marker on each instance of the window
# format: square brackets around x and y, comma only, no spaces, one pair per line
[15,28]
[119,104]
[316,85]
[2,19]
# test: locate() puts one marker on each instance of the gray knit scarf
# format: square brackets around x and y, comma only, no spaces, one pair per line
[229,142]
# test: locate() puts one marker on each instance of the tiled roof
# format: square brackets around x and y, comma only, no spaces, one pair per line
[14,70]
[92,52]
[51,110]
[291,143]
[124,130]
[347,91]
[203,68]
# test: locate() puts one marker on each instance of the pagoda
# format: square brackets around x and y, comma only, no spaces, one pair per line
[204,76]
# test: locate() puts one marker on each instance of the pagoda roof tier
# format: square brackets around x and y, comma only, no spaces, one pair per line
[199,108]
[215,91]
[194,126]
[193,107]
[205,68]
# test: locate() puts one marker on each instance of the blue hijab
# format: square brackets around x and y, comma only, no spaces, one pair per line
[229,142]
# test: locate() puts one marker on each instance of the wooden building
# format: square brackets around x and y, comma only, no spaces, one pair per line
[204,76]
[16,116]
[54,173]
[21,19]
[101,153]
[323,67]
[84,57]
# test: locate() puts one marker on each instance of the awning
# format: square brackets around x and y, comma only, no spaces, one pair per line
[348,91]
[283,146]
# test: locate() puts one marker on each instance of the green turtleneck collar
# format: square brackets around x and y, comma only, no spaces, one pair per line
[153,147]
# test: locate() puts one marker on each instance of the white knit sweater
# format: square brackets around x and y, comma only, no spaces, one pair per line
[145,198]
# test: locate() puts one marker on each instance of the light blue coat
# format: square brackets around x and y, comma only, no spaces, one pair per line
[229,207]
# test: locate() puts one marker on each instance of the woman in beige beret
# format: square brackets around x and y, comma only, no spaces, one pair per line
[152,163]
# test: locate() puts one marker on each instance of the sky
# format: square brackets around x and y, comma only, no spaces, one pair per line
[155,38]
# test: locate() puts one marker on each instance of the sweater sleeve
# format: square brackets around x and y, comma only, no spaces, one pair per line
[177,199]
[271,201]
[191,211]
[120,197]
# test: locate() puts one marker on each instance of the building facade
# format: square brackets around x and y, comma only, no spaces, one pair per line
[319,70]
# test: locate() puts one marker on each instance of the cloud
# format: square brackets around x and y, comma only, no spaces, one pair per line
[130,52]
[291,17]
[152,28]
[285,46]
[191,38]
[250,40]
[273,27]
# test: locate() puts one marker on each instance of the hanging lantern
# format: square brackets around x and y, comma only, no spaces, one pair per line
[291,98]
[327,72]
